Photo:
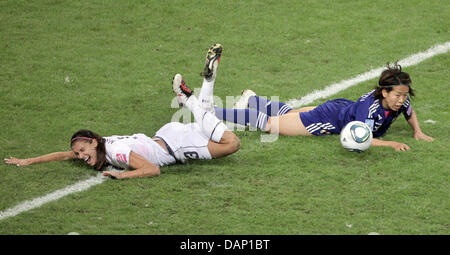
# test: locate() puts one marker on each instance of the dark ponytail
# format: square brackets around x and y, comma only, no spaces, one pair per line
[84,134]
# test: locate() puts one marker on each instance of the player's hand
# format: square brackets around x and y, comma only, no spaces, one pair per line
[17,161]
[112,174]
[400,146]
[421,136]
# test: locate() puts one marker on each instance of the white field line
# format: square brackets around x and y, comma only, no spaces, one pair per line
[55,195]
[342,85]
[324,93]
[37,202]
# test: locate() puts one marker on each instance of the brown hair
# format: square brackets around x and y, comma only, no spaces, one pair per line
[84,134]
[390,77]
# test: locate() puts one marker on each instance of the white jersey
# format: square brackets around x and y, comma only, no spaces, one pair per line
[118,150]
[182,142]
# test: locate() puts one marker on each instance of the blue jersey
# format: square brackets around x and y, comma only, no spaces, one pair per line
[333,115]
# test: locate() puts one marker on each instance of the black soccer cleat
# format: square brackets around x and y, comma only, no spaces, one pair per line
[212,61]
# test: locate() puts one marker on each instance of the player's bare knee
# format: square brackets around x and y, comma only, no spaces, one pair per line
[235,143]
[231,140]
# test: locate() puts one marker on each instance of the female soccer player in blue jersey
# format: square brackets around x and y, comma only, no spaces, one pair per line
[378,108]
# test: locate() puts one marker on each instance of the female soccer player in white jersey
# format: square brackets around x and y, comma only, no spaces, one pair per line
[207,138]
[378,108]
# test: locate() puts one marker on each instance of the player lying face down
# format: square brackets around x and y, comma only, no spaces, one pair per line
[378,108]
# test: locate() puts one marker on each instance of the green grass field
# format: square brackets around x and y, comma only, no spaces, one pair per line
[108,66]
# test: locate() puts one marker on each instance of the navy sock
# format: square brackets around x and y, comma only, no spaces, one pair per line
[243,117]
[271,108]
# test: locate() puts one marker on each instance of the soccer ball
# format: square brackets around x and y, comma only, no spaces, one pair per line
[356,136]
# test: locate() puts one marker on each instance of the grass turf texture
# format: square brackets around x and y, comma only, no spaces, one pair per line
[120,58]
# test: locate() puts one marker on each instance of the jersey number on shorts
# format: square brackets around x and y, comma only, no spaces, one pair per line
[191,155]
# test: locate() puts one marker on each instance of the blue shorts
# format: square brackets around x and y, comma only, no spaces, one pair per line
[324,119]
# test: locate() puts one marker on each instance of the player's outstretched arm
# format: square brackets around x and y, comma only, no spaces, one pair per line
[418,134]
[143,168]
[396,145]
[55,156]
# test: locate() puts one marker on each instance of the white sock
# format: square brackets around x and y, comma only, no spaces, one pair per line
[211,126]
[206,96]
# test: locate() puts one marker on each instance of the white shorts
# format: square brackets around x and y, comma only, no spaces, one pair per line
[184,141]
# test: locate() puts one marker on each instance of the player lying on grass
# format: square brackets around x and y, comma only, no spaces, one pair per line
[207,138]
[378,108]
